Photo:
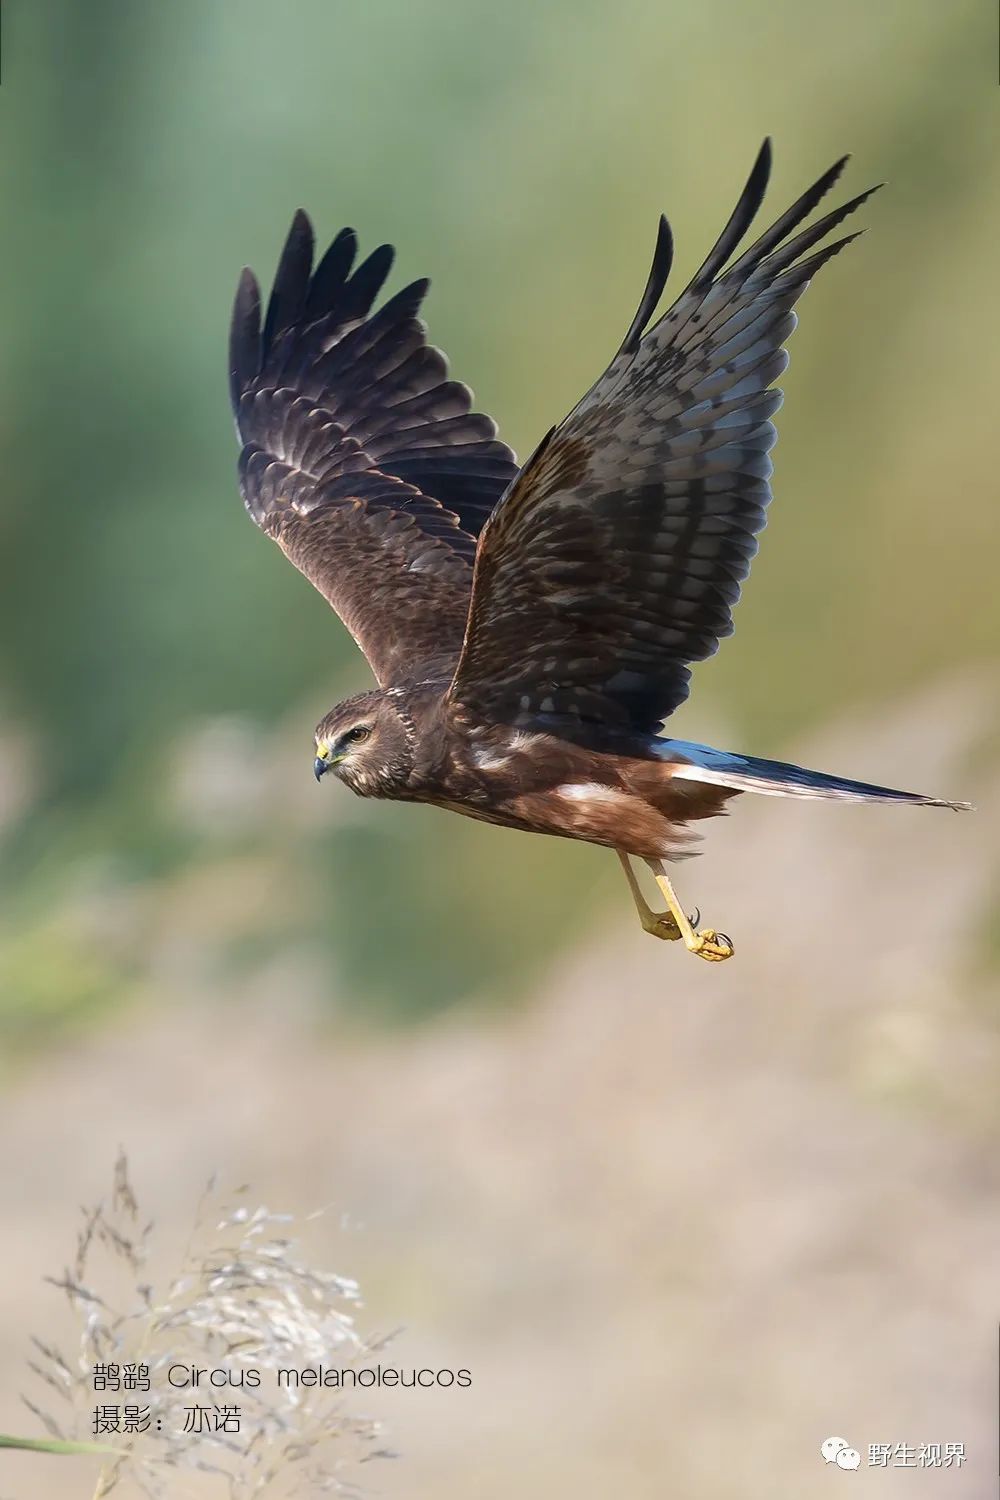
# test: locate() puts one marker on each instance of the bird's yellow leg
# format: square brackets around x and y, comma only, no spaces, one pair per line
[707,943]
[660,923]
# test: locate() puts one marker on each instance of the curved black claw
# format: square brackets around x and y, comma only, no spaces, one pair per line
[695,918]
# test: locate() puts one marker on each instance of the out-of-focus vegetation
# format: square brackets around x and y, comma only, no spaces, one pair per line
[161,666]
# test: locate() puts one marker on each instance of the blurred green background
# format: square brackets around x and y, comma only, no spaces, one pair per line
[162,667]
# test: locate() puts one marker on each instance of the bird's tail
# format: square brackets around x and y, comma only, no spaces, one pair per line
[775,778]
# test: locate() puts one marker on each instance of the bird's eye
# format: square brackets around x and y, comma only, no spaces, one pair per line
[357,734]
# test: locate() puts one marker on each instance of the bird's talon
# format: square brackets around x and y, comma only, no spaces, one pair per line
[695,917]
[713,946]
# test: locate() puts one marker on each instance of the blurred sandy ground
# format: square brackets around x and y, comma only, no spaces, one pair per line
[681,1223]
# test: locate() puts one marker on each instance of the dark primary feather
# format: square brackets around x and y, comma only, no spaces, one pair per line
[616,558]
[360,457]
[663,257]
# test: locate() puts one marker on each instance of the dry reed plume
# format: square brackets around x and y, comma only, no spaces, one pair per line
[241,1301]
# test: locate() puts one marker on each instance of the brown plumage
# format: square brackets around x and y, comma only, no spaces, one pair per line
[531,629]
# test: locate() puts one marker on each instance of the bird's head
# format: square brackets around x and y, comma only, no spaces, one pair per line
[368,743]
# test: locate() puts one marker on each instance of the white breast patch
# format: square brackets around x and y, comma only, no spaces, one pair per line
[591,791]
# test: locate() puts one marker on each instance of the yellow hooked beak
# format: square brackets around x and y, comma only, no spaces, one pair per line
[324,760]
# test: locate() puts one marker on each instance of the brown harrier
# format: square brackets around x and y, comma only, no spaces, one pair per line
[531,628]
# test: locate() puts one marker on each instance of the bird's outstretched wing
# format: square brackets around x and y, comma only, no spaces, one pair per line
[361,458]
[616,557]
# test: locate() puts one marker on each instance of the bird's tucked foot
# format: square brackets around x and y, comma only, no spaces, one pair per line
[661,924]
[711,945]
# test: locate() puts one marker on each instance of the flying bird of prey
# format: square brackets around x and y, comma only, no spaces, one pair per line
[531,628]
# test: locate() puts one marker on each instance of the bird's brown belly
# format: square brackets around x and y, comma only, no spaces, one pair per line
[611,816]
[594,813]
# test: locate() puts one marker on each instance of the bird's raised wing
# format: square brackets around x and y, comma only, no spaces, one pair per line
[617,555]
[361,458]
